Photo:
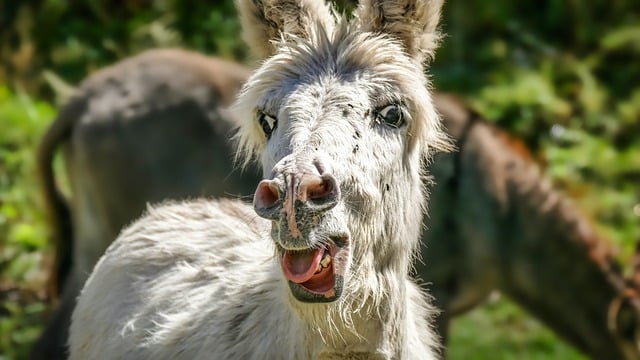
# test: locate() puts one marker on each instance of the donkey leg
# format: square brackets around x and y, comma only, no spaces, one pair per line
[52,344]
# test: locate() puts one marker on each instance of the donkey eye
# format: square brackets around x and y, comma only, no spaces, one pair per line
[267,123]
[391,115]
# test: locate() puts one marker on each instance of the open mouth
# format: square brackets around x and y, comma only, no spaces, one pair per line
[316,275]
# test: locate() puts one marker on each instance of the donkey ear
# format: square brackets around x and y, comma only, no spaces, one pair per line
[267,23]
[413,22]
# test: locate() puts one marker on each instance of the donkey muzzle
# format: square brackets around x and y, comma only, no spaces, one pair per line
[298,193]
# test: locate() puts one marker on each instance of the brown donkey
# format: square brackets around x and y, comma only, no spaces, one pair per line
[497,224]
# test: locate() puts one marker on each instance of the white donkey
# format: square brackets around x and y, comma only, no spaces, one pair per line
[340,117]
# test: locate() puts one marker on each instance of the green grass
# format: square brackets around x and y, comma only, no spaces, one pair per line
[499,330]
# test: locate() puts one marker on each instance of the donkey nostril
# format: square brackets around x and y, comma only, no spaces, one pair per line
[267,195]
[319,190]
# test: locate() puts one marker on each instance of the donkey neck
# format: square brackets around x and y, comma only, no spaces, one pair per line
[556,242]
[359,326]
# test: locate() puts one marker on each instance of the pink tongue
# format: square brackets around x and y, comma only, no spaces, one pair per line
[299,266]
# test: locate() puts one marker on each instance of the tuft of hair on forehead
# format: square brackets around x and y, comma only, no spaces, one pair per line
[267,24]
[413,22]
[293,34]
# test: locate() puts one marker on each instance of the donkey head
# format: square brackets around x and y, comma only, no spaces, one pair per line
[340,116]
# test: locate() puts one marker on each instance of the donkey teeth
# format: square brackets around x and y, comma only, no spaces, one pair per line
[326,260]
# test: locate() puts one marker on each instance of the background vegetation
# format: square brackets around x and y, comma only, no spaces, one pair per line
[562,74]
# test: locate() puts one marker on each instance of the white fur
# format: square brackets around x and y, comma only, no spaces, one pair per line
[200,279]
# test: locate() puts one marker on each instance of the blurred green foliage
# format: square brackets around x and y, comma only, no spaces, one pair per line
[562,74]
[22,229]
[74,38]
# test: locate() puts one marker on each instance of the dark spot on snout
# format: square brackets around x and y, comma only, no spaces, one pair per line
[356,148]
[356,135]
[318,164]
[387,187]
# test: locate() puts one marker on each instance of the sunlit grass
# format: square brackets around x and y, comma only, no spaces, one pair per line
[499,330]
